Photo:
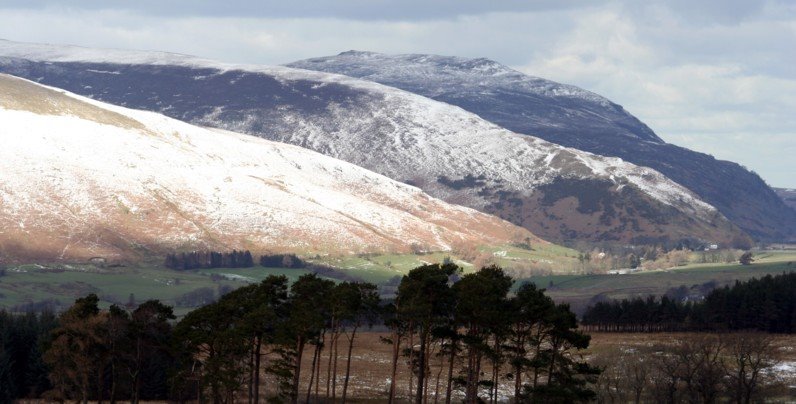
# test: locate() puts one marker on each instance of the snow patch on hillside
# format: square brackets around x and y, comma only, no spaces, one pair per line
[174,183]
[436,71]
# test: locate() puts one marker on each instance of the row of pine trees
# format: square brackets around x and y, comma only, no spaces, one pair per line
[256,342]
[767,304]
[209,259]
[235,259]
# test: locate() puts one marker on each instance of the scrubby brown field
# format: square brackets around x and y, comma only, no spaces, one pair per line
[371,366]
[694,367]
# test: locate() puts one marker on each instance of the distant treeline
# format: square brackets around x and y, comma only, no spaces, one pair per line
[234,259]
[243,259]
[767,304]
[294,262]
[282,261]
[209,259]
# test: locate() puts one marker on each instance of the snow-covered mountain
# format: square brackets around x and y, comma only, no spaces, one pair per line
[516,101]
[79,179]
[572,117]
[558,193]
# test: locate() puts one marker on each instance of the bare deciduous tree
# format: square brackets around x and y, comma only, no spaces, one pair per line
[749,355]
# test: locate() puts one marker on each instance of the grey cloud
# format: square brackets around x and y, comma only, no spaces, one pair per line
[389,10]
[717,11]
[701,12]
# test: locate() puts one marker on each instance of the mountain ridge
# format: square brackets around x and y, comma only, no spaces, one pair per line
[441,78]
[572,117]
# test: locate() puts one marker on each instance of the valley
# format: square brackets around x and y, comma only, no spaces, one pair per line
[280,198]
[582,290]
[490,202]
[56,285]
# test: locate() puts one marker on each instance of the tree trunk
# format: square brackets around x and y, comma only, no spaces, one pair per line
[315,354]
[396,351]
[317,369]
[421,371]
[477,376]
[427,367]
[297,370]
[257,355]
[100,377]
[250,398]
[517,380]
[334,367]
[452,359]
[137,373]
[554,351]
[216,394]
[112,398]
[411,359]
[134,393]
[348,364]
[496,370]
[439,376]
[520,355]
[332,337]
[84,391]
[471,391]
[538,350]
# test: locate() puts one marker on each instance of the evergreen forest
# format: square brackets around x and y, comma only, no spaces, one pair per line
[767,304]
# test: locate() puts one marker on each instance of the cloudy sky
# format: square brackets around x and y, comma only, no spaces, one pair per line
[717,76]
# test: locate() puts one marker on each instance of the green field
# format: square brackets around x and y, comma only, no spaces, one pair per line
[579,289]
[381,268]
[24,284]
[63,283]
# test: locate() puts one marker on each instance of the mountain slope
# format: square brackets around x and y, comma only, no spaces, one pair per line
[572,117]
[80,179]
[558,193]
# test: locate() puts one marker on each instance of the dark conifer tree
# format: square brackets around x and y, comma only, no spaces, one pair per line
[426,300]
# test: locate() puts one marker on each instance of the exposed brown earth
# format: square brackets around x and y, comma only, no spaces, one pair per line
[604,212]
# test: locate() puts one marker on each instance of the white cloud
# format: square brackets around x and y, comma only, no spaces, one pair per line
[736,103]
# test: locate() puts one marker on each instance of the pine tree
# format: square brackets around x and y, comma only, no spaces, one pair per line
[481,307]
[309,297]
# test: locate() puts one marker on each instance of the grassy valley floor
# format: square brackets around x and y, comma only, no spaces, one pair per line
[60,284]
[578,290]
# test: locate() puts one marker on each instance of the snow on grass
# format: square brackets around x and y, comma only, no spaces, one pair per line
[784,371]
[182,183]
